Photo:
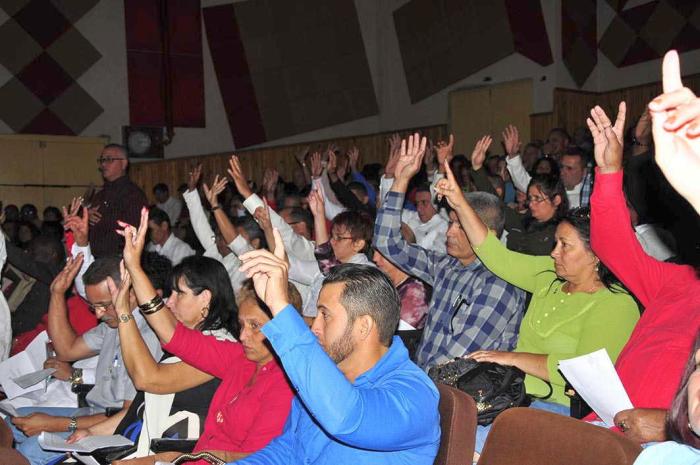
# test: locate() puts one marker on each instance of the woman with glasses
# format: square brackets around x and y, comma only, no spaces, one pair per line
[577,305]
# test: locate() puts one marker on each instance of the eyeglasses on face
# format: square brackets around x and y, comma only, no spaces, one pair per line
[107,160]
[536,198]
[338,238]
[104,306]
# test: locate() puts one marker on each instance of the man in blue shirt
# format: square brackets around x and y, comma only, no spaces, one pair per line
[360,399]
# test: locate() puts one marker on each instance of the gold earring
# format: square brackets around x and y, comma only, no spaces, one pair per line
[204,311]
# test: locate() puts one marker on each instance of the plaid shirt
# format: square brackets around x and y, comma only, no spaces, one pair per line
[470,309]
[587,189]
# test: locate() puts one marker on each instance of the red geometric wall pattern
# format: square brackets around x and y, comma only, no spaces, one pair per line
[46,55]
[647,31]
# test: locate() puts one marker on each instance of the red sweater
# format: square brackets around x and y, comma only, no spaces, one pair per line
[241,418]
[652,363]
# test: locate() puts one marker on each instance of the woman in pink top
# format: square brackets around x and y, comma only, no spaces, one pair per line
[252,403]
[652,363]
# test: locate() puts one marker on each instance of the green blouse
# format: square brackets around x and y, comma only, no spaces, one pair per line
[557,323]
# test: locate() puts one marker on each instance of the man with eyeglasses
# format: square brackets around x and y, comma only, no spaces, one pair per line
[113,390]
[119,199]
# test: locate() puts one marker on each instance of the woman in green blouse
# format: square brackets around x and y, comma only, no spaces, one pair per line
[577,306]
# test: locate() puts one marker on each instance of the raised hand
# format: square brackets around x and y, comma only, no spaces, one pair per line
[316,204]
[78,225]
[270,179]
[217,188]
[193,177]
[676,129]
[301,155]
[511,140]
[410,158]
[353,155]
[64,280]
[239,179]
[448,187]
[269,274]
[444,151]
[134,240]
[394,155]
[479,152]
[316,165]
[120,294]
[607,138]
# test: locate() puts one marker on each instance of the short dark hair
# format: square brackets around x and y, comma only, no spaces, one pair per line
[368,291]
[161,187]
[204,273]
[158,216]
[489,208]
[157,267]
[52,211]
[423,187]
[573,151]
[252,228]
[561,131]
[48,249]
[299,215]
[677,421]
[101,269]
[358,224]
[553,165]
[359,187]
[247,291]
[118,147]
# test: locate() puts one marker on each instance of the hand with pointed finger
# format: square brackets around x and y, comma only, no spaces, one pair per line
[448,187]
[676,129]
[268,270]
[193,177]
[64,280]
[607,138]
[134,240]
[479,152]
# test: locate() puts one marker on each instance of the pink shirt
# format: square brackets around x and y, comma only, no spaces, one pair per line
[652,363]
[241,418]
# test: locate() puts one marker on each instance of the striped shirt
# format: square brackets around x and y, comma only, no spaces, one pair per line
[471,308]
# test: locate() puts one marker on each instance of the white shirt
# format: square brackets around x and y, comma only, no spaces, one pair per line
[174,249]
[430,235]
[574,195]
[173,207]
[649,237]
[5,326]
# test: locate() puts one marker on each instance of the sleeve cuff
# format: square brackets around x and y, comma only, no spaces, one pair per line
[286,330]
[190,196]
[252,203]
[515,161]
[608,184]
[394,201]
[239,245]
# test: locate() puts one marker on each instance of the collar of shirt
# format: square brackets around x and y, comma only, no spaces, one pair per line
[390,361]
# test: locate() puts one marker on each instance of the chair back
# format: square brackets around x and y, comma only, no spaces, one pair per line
[458,425]
[529,436]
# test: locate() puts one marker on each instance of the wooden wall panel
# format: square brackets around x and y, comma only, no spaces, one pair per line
[373,148]
[540,125]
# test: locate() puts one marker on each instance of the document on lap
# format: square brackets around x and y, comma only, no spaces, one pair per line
[50,441]
[28,362]
[594,378]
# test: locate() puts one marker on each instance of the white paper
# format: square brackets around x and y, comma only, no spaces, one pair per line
[28,361]
[403,326]
[8,409]
[86,459]
[594,378]
[30,379]
[50,441]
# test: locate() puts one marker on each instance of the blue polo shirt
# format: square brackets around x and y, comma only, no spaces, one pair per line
[389,415]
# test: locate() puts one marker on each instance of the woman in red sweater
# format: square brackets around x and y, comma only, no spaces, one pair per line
[252,403]
[652,363]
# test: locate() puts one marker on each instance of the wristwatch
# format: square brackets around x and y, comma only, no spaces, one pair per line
[76,376]
[125,317]
[72,425]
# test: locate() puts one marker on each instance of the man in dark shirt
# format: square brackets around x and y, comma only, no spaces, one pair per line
[119,199]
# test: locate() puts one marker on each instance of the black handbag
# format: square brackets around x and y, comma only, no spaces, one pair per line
[493,387]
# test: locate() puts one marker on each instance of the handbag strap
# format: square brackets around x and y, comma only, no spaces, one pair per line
[206,456]
[551,391]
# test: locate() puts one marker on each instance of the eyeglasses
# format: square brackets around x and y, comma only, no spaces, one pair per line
[104,306]
[536,198]
[102,160]
[337,238]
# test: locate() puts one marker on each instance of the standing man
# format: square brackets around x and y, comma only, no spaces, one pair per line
[119,199]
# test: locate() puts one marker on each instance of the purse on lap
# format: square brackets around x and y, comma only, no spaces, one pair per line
[493,387]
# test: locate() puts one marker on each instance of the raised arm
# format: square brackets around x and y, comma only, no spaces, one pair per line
[199,221]
[79,225]
[163,322]
[316,205]
[612,237]
[68,345]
